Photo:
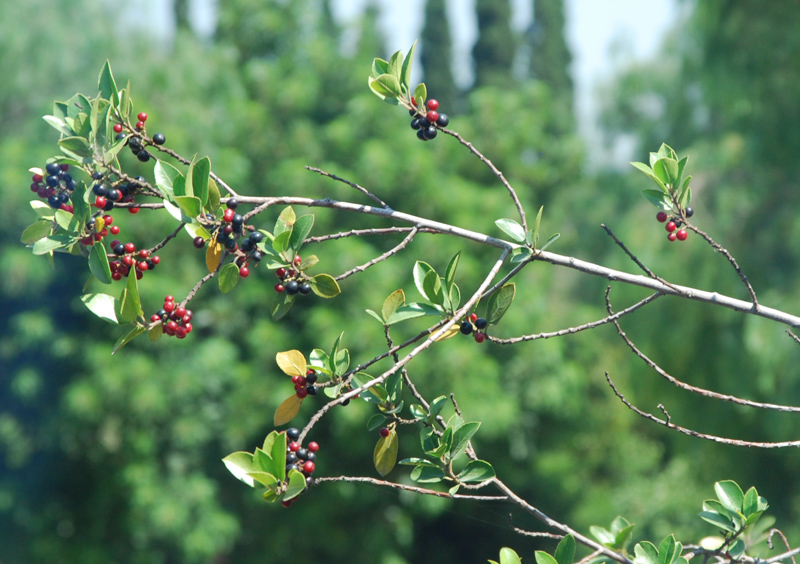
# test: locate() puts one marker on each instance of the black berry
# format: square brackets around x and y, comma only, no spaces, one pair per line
[481,323]
[293,434]
[232,203]
[466,328]
[159,139]
[292,287]
[430,132]
[443,120]
[305,288]
[689,212]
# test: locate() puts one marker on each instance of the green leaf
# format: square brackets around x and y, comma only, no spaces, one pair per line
[341,361]
[750,502]
[646,553]
[277,452]
[325,286]
[542,558]
[718,520]
[396,66]
[165,175]
[476,471]
[508,556]
[649,172]
[391,304]
[155,332]
[533,237]
[285,221]
[49,244]
[98,264]
[179,185]
[521,254]
[213,195]
[376,422]
[287,410]
[666,170]
[281,241]
[190,205]
[281,305]
[623,537]
[511,228]
[421,269]
[36,231]
[379,67]
[667,550]
[127,338]
[266,479]
[461,437]
[300,230]
[103,306]
[240,464]
[565,551]
[455,297]
[58,124]
[427,475]
[76,145]
[308,262]
[387,87]
[202,168]
[686,198]
[730,495]
[450,273]
[658,199]
[736,549]
[376,316]
[604,536]
[130,306]
[552,239]
[385,454]
[264,462]
[432,287]
[228,277]
[499,302]
[420,94]
[411,311]
[297,483]
[405,75]
[681,168]
[107,84]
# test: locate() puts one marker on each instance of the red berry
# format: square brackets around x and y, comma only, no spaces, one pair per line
[139,125]
[384,432]
[144,253]
[100,202]
[142,116]
[98,236]
[433,105]
[142,266]
[130,248]
[301,380]
[661,216]
[279,288]
[156,259]
[227,215]
[302,393]
[133,210]
[181,332]
[171,326]
[154,318]
[473,317]
[115,242]
[294,446]
[671,226]
[116,276]
[313,447]
[117,128]
[432,116]
[480,337]
[114,230]
[169,307]
[188,327]
[199,242]
[103,232]
[37,178]
[308,467]
[180,311]
[139,274]
[295,379]
[169,298]
[413,101]
[281,272]
[297,260]
[64,167]
[287,502]
[682,235]
[244,272]
[127,260]
[672,236]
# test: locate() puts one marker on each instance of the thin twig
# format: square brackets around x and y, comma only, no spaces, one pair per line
[693,433]
[400,246]
[166,240]
[793,336]
[724,252]
[361,189]
[495,171]
[585,326]
[362,232]
[415,489]
[537,534]
[633,257]
[683,385]
[783,538]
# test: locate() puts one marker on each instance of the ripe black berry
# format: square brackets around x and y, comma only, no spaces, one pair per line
[54,202]
[466,328]
[97,175]
[302,454]
[421,135]
[143,156]
[52,181]
[230,244]
[292,287]
[119,250]
[481,323]
[257,236]
[199,242]
[114,195]
[52,168]
[689,212]
[291,458]
[247,245]
[159,139]
[443,120]
[311,377]
[305,288]
[415,123]
[257,256]
[430,132]
[312,390]
[232,203]
[293,434]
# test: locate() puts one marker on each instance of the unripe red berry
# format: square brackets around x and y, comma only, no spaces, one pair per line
[473,317]
[180,311]
[108,220]
[227,215]
[133,210]
[672,236]
[37,178]
[142,116]
[154,318]
[297,260]
[671,226]
[171,326]
[130,248]
[169,298]
[169,307]
[294,446]
[302,393]
[384,432]
[144,253]
[682,235]
[156,259]
[114,230]
[279,288]
[433,104]
[181,332]
[287,502]
[661,216]
[432,116]
[100,202]
[117,128]
[313,447]
[281,272]
[308,467]
[188,327]
[142,266]
[140,125]
[244,272]
[127,260]
[480,337]
[116,276]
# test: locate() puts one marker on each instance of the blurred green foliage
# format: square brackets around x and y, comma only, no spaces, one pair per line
[117,459]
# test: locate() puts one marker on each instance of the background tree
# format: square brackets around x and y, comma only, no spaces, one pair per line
[436,52]
[548,52]
[494,51]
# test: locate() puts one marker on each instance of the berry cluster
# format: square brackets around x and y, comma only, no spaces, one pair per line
[135,142]
[299,458]
[674,224]
[125,258]
[291,281]
[476,324]
[426,123]
[108,193]
[176,320]
[305,385]
[56,186]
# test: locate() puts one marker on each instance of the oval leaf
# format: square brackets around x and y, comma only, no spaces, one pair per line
[325,286]
[730,494]
[392,303]
[36,231]
[511,228]
[385,455]
[103,306]
[213,255]
[287,410]
[281,305]
[476,471]
[98,264]
[508,556]
[499,302]
[228,277]
[292,362]
[565,551]
[543,558]
[240,464]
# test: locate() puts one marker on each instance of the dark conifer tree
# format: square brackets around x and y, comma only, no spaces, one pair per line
[550,57]
[436,52]
[494,52]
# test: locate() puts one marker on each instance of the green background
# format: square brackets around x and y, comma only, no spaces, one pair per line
[117,459]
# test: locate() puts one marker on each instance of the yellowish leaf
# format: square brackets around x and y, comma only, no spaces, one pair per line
[213,255]
[287,410]
[292,362]
[385,454]
[452,332]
